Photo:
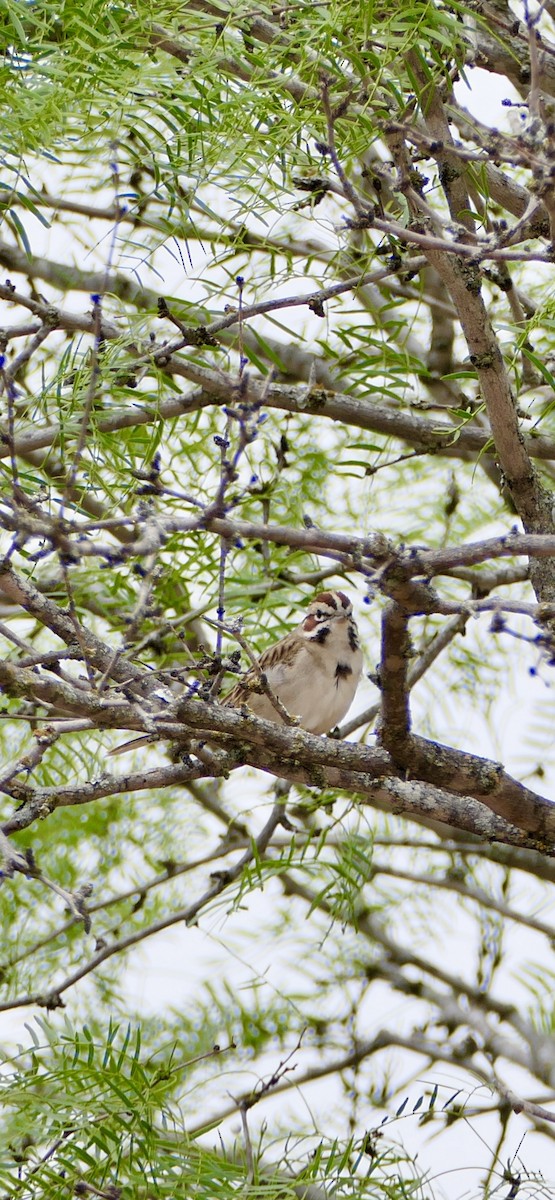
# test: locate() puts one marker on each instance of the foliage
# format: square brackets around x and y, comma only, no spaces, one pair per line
[278,318]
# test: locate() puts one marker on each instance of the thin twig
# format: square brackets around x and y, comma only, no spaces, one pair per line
[256,851]
[234,632]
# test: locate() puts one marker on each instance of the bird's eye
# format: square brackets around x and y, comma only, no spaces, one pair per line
[319,614]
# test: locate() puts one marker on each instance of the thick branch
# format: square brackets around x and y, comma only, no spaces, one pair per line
[394,685]
[321,762]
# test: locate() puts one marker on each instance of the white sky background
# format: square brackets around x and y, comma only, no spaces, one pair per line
[167,971]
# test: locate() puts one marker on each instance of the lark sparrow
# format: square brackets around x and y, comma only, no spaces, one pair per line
[314,671]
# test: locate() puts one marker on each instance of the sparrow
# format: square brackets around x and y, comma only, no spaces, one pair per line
[314,670]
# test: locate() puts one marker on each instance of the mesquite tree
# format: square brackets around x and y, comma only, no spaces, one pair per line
[277,318]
